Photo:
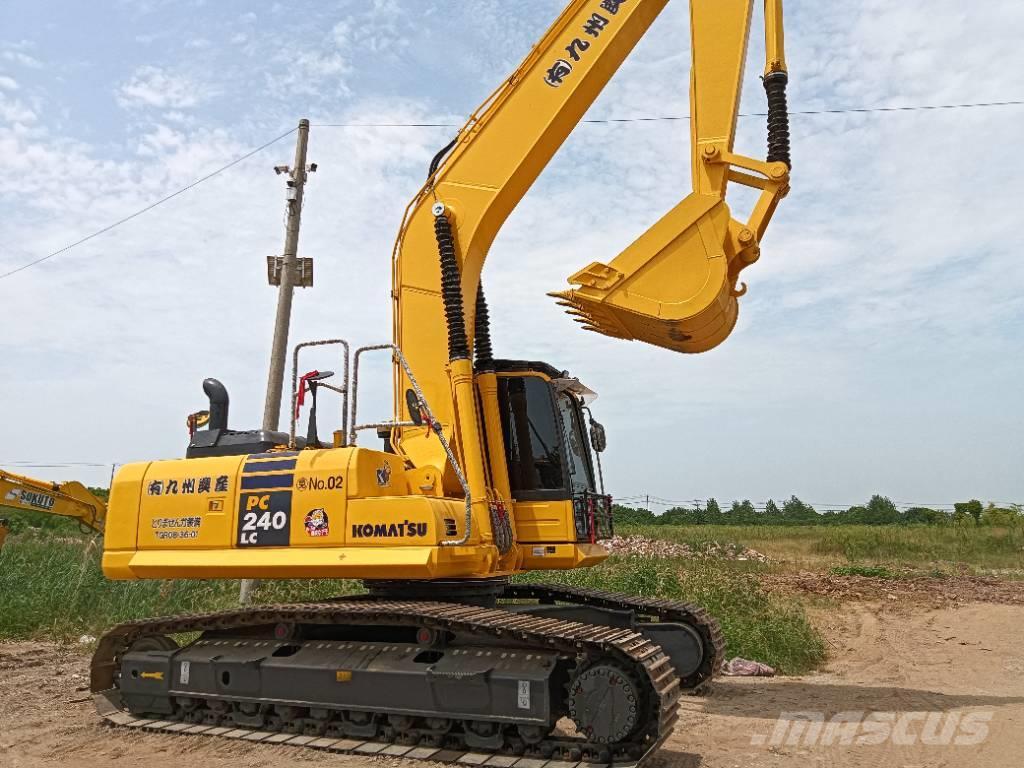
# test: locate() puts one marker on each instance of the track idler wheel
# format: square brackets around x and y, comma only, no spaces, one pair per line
[605,704]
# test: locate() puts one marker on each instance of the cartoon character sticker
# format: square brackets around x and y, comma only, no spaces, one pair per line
[384,475]
[317,523]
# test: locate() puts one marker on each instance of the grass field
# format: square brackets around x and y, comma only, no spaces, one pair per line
[922,547]
[51,585]
[53,588]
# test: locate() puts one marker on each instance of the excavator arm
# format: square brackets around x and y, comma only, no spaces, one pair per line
[677,286]
[70,499]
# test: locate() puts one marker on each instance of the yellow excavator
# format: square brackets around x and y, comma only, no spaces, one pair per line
[487,469]
[71,499]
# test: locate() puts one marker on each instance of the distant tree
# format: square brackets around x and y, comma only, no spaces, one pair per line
[628,516]
[960,517]
[831,517]
[680,516]
[972,508]
[881,511]
[741,513]
[713,513]
[102,493]
[857,515]
[924,516]
[1002,517]
[796,511]
[772,513]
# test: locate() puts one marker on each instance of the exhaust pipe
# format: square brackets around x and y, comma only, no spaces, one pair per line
[218,395]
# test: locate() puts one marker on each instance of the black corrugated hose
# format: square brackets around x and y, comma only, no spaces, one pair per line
[482,338]
[778,118]
[451,289]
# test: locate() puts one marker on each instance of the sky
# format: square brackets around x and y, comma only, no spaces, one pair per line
[878,348]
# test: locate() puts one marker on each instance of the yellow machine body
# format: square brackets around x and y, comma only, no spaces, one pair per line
[402,513]
[330,513]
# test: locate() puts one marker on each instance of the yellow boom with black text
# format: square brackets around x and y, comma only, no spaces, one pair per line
[490,465]
[71,499]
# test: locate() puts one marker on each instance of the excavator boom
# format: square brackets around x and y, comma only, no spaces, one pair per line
[676,286]
[71,499]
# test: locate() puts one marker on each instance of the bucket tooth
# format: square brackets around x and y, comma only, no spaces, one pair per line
[674,287]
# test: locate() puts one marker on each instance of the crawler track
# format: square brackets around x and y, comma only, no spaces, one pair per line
[655,609]
[582,645]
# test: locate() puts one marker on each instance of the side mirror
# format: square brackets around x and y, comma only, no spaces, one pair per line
[598,437]
[413,404]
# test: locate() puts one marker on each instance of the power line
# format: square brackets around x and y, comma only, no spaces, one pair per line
[915,108]
[661,118]
[149,207]
[592,121]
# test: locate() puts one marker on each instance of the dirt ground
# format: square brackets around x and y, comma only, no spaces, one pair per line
[964,661]
[920,590]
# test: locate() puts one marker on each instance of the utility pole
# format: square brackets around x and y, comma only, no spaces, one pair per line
[289,276]
[284,272]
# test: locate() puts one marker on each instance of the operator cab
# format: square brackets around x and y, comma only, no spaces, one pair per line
[548,444]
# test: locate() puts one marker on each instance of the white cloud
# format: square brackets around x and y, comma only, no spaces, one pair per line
[8,83]
[341,33]
[13,111]
[151,86]
[309,73]
[23,59]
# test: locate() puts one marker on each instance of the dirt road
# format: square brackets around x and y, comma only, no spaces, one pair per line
[959,672]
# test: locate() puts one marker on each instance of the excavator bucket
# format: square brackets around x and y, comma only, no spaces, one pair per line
[674,287]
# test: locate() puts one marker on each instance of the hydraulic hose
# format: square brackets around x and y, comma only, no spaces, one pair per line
[451,289]
[778,118]
[482,338]
[436,162]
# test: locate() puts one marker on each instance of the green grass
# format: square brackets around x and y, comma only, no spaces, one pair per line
[884,572]
[756,626]
[54,589]
[920,545]
[912,546]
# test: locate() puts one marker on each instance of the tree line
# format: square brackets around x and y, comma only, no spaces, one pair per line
[879,510]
